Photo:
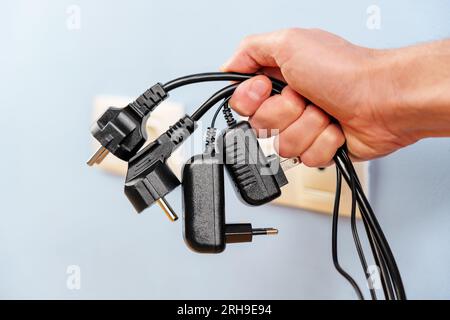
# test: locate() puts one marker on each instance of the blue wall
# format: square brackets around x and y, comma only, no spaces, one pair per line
[56,212]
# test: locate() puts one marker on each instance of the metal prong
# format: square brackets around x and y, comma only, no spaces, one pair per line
[167,209]
[264,231]
[102,156]
[287,164]
[271,231]
[98,156]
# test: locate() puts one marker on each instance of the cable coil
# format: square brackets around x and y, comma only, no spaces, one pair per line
[382,254]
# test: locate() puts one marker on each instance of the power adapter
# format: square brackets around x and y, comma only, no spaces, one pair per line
[257,179]
[205,230]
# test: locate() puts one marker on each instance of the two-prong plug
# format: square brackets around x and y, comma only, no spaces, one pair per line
[121,131]
[149,178]
[205,230]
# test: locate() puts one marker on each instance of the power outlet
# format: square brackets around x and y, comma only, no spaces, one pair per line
[162,117]
[314,189]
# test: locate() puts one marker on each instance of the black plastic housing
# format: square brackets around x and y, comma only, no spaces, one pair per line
[257,178]
[148,177]
[204,204]
[122,130]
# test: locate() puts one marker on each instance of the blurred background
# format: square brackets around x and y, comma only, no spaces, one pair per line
[55,212]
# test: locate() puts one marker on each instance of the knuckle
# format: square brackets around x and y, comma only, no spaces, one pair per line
[335,136]
[238,107]
[308,159]
[288,34]
[286,149]
[332,138]
[293,99]
[316,31]
[318,116]
[314,159]
[257,121]
[246,41]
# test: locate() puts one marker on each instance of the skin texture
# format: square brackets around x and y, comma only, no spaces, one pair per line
[376,100]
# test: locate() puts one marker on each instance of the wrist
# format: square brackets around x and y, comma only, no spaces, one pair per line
[386,97]
[413,91]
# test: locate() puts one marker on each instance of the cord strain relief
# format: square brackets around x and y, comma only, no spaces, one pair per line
[228,115]
[148,101]
[181,130]
[210,139]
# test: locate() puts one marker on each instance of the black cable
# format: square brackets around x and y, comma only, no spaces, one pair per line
[386,256]
[215,98]
[377,254]
[391,280]
[277,86]
[356,239]
[213,76]
[225,93]
[334,233]
[384,245]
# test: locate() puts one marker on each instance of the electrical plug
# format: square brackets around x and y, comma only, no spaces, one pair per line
[205,230]
[121,131]
[149,178]
[257,179]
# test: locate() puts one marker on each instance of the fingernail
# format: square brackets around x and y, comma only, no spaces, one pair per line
[257,90]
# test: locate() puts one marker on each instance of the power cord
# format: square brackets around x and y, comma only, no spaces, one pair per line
[121,131]
[334,237]
[389,273]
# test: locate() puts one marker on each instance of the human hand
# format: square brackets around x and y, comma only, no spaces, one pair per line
[338,78]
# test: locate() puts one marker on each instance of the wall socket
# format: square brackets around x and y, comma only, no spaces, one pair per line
[162,117]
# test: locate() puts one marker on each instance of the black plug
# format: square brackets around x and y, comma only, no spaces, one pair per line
[149,178]
[258,179]
[205,230]
[122,131]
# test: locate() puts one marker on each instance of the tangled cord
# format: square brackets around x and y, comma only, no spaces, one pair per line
[383,258]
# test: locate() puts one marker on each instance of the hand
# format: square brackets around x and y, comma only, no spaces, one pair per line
[351,83]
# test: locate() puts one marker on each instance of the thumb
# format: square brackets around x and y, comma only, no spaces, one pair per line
[250,94]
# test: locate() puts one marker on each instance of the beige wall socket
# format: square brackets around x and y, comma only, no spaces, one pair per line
[314,189]
[162,117]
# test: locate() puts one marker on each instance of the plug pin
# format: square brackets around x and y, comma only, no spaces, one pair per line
[167,209]
[264,231]
[243,232]
[289,163]
[98,156]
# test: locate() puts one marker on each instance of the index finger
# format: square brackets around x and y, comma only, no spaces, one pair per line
[254,53]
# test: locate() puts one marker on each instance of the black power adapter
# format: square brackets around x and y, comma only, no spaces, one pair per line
[205,230]
[257,178]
